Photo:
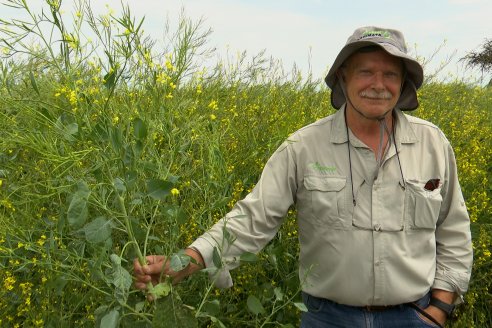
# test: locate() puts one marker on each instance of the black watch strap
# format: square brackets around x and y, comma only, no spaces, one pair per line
[448,308]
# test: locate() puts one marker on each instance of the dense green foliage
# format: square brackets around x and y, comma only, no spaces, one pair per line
[107,157]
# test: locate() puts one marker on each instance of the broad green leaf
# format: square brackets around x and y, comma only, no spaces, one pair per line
[128,156]
[110,320]
[121,279]
[301,306]
[176,213]
[211,308]
[179,261]
[228,236]
[83,189]
[139,129]
[161,289]
[137,149]
[66,130]
[248,257]
[139,306]
[218,322]
[119,185]
[77,211]
[110,79]
[216,258]
[254,305]
[116,137]
[159,189]
[136,201]
[98,230]
[279,295]
[71,129]
[171,313]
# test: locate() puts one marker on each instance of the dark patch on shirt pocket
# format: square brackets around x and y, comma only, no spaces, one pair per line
[422,206]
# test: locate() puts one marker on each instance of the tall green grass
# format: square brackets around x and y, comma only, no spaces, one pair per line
[110,150]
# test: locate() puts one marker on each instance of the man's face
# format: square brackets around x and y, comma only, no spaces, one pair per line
[373,81]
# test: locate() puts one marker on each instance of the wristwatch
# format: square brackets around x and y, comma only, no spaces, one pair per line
[448,308]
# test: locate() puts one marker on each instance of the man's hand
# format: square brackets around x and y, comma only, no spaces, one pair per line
[435,312]
[157,266]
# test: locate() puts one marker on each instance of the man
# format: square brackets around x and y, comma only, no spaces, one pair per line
[383,228]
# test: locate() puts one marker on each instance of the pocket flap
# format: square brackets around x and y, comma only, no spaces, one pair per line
[324,183]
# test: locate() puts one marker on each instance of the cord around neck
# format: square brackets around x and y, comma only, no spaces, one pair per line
[380,155]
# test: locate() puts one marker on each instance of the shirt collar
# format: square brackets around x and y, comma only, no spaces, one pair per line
[404,132]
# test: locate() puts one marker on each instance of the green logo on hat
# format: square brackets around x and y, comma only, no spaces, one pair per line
[372,34]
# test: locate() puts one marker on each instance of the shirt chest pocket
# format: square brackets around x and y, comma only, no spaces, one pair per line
[422,206]
[327,199]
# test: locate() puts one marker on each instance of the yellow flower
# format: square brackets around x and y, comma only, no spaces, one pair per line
[174,192]
[213,105]
[9,281]
[213,117]
[41,240]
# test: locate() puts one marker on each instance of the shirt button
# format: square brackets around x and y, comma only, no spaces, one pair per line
[377,227]
[377,263]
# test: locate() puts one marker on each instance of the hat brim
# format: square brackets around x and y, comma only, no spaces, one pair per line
[413,79]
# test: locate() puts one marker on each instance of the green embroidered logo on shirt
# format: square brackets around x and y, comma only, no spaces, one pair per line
[321,168]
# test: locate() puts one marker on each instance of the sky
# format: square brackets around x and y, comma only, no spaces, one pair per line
[310,33]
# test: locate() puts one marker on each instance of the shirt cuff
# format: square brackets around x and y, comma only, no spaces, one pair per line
[451,281]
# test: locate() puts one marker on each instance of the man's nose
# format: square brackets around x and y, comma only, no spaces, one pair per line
[378,81]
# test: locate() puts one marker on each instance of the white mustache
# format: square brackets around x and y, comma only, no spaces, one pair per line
[376,95]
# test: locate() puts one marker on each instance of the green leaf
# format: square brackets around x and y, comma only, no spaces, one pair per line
[66,130]
[211,308]
[171,313]
[216,258]
[161,289]
[218,322]
[248,257]
[71,129]
[137,149]
[139,307]
[254,305]
[119,185]
[139,129]
[110,320]
[159,189]
[33,82]
[120,278]
[179,261]
[77,211]
[301,306]
[279,295]
[97,231]
[110,79]
[116,137]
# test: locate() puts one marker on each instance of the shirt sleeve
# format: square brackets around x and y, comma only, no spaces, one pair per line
[453,237]
[253,221]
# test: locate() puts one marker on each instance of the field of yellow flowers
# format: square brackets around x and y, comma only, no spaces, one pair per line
[114,151]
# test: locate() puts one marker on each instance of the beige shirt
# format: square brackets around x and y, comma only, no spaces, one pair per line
[399,241]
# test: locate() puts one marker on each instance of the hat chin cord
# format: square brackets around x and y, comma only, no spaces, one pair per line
[383,127]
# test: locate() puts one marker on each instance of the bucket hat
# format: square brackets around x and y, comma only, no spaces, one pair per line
[391,41]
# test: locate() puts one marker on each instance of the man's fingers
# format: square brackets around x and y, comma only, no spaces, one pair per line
[140,285]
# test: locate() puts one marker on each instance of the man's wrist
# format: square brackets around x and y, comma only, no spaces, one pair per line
[197,263]
[443,306]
